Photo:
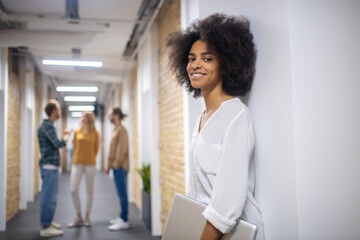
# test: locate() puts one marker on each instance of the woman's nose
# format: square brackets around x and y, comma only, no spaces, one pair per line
[195,64]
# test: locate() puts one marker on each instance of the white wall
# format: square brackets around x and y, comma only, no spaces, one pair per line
[304,104]
[271,107]
[27,110]
[324,40]
[148,120]
[42,115]
[126,107]
[44,95]
[108,128]
[98,156]
[3,132]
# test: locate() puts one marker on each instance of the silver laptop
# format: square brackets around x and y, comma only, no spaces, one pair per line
[186,222]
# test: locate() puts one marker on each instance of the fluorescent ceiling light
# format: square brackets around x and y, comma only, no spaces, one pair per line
[72,63]
[76,114]
[81,108]
[80,98]
[77,89]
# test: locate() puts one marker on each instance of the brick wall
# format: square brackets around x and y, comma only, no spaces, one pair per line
[13,149]
[136,162]
[172,177]
[38,114]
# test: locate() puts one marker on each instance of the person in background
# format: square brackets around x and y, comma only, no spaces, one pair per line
[215,58]
[49,168]
[119,163]
[85,149]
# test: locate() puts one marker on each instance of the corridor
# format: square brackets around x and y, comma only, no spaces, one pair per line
[25,224]
[97,56]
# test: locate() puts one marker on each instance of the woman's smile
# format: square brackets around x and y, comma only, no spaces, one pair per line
[196,75]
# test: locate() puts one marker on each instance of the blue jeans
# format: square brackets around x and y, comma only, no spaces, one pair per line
[120,183]
[48,195]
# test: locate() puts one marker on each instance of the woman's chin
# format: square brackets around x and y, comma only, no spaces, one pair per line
[196,85]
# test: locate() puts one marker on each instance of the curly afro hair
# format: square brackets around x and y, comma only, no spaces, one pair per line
[230,38]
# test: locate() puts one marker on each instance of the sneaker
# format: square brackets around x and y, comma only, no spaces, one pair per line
[76,223]
[119,225]
[115,220]
[87,222]
[55,225]
[50,232]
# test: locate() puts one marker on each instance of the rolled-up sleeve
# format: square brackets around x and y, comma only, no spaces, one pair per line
[52,137]
[230,186]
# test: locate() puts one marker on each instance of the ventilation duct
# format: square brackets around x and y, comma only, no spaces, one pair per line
[72,9]
[10,25]
[6,23]
[146,11]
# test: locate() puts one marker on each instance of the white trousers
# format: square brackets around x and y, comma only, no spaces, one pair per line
[77,171]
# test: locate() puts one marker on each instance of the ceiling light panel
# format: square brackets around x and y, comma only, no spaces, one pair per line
[80,98]
[81,108]
[76,89]
[72,63]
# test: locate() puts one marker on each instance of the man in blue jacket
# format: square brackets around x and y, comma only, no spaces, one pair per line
[49,166]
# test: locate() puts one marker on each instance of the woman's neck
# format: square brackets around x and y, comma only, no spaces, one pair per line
[214,98]
[85,128]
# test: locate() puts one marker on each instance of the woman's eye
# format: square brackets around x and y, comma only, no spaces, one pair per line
[207,59]
[191,59]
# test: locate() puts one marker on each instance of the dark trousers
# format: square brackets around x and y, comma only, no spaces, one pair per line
[120,183]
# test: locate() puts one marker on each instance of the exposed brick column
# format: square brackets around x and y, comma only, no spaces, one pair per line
[13,145]
[172,175]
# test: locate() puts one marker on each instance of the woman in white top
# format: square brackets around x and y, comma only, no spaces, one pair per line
[215,58]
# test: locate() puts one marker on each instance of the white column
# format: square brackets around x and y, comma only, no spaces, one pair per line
[192,107]
[126,107]
[3,132]
[155,168]
[27,132]
[149,121]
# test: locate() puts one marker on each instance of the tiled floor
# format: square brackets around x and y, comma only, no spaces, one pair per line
[25,224]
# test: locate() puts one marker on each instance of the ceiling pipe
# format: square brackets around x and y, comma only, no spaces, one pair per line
[151,21]
[3,8]
[101,21]
[15,38]
[141,30]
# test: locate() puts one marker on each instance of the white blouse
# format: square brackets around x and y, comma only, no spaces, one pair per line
[221,167]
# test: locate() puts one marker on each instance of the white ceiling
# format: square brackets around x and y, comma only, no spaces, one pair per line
[101,32]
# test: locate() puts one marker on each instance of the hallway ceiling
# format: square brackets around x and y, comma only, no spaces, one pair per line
[44,28]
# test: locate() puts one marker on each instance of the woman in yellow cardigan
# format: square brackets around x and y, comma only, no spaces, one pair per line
[86,145]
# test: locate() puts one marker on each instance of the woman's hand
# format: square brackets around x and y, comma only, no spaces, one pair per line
[210,232]
[107,171]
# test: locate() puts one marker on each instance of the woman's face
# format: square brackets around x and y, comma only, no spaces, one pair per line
[203,67]
[84,120]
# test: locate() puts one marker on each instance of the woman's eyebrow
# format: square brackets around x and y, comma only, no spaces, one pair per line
[203,53]
[207,53]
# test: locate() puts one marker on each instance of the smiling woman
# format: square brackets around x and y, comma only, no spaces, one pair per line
[215,57]
[229,40]
[203,67]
